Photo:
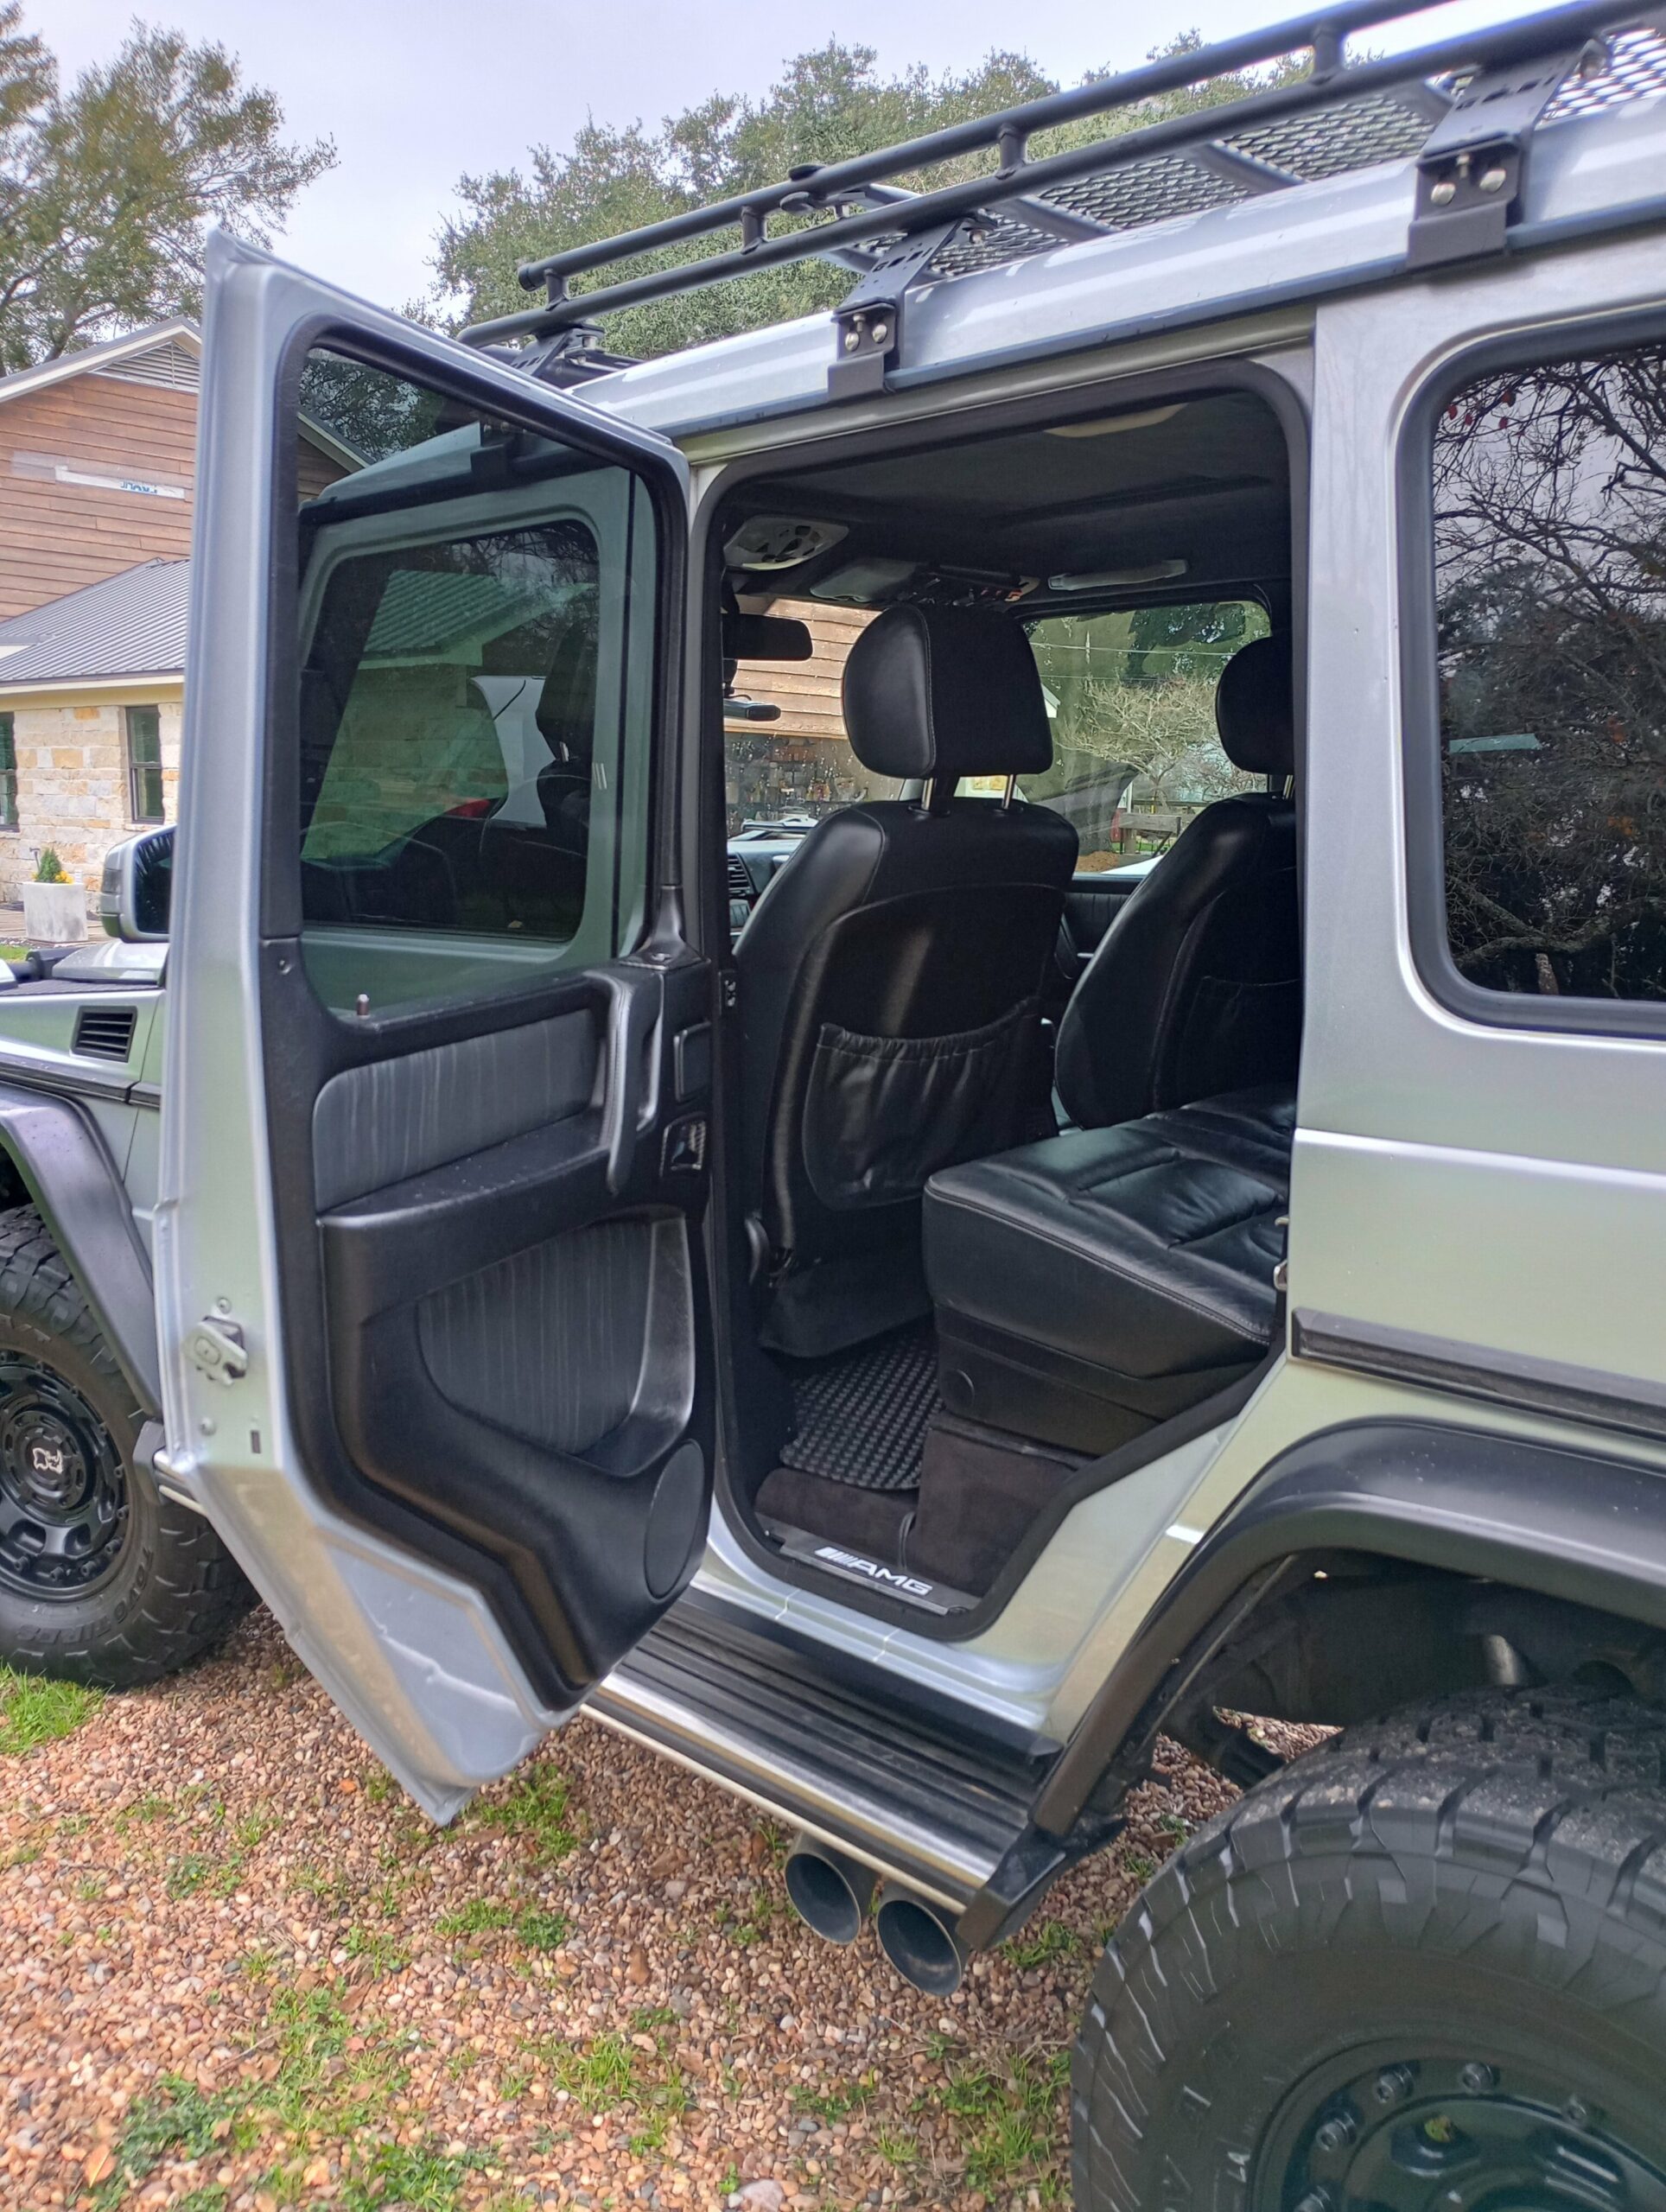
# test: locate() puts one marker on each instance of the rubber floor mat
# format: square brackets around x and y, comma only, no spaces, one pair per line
[861,1418]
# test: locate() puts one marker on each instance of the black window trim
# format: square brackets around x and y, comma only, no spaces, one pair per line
[1524,349]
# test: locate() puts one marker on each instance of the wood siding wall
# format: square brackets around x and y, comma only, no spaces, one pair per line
[57,538]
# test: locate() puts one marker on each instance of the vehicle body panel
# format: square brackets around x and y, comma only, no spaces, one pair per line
[412,1652]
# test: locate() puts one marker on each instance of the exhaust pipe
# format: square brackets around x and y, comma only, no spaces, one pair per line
[830,1893]
[919,1940]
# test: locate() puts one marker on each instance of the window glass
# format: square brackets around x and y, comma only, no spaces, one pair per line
[145,800]
[473,700]
[8,774]
[1550,577]
[1131,696]
[787,760]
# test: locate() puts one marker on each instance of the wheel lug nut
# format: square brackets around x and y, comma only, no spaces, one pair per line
[1316,2200]
[1393,2083]
[1578,2112]
[1336,2133]
[1478,2078]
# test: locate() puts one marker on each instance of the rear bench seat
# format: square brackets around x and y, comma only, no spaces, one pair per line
[1094,1284]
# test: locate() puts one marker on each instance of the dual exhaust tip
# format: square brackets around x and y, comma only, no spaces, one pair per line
[832,1894]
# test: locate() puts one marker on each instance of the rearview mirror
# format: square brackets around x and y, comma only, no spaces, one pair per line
[136,891]
[765,637]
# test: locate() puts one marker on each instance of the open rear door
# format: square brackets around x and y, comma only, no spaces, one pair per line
[434,1328]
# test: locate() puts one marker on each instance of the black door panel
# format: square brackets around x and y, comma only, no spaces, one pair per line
[516,1331]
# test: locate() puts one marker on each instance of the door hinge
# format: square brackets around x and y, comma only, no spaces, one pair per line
[1471,171]
[216,1348]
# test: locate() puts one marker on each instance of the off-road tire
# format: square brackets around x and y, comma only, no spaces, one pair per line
[1451,1923]
[172,1591]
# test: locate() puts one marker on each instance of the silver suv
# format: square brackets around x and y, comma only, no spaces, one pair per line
[899,1355]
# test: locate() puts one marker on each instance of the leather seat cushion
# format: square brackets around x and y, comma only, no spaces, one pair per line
[1094,1283]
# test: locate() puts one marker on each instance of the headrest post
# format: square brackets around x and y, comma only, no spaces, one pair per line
[1007,794]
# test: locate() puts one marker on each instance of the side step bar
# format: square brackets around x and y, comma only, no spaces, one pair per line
[855,1764]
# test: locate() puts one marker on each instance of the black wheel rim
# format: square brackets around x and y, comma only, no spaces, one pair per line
[1423,2131]
[63,1488]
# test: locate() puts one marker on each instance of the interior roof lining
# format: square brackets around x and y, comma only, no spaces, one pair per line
[959,504]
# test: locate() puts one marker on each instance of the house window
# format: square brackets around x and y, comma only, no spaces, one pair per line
[143,764]
[8,774]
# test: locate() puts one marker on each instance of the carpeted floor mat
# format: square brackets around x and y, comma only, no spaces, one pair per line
[861,1418]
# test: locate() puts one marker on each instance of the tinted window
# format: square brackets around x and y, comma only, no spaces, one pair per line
[477,633]
[452,791]
[1550,570]
[1132,701]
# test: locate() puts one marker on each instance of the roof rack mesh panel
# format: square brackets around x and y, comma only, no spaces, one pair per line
[986,248]
[1146,192]
[1636,71]
[1325,141]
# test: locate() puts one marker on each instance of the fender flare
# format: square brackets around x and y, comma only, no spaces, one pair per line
[72,1178]
[1574,1525]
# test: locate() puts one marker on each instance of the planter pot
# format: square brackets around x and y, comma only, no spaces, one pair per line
[54,914]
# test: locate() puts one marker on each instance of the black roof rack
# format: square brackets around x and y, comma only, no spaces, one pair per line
[1466,106]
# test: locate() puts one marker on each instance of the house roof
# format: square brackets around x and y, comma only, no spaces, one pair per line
[166,353]
[129,625]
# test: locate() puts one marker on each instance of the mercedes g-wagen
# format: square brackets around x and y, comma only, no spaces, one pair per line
[898,1327]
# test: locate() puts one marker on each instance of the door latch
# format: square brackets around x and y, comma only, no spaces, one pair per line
[216,1347]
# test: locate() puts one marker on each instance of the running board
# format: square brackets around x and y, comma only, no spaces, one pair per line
[856,1764]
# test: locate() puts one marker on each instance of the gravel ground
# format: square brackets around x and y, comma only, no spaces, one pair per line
[238,1972]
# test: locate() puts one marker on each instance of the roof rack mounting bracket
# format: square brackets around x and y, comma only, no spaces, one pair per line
[1471,170]
[868,322]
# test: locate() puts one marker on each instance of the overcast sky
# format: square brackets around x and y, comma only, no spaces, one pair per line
[418,93]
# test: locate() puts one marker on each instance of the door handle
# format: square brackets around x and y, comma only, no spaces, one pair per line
[633,1009]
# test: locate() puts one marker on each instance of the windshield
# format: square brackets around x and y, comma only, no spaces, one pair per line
[1131,695]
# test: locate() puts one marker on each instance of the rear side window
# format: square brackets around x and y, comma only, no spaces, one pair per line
[1550,587]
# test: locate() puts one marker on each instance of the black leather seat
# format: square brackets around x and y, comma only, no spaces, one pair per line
[1095,1284]
[1196,987]
[890,979]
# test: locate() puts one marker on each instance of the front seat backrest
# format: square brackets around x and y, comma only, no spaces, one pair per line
[890,977]
[1196,987]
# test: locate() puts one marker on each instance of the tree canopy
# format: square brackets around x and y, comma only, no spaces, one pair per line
[108,186]
[827,105]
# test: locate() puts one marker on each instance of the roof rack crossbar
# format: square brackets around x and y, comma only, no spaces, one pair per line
[1011,126]
[881,212]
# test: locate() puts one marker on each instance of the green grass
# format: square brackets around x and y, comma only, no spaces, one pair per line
[1044,1945]
[33,1711]
[536,1806]
[479,1916]
[377,1948]
[187,1875]
[837,2103]
[528,1924]
[1010,2120]
[423,2179]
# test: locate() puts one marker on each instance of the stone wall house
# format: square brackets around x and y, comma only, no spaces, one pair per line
[98,467]
[91,696]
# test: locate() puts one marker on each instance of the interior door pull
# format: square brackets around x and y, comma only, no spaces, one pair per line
[631,1017]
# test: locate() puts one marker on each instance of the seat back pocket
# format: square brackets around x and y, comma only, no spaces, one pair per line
[885,1113]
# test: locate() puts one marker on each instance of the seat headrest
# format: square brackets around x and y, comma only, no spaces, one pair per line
[941,692]
[1255,709]
[566,699]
